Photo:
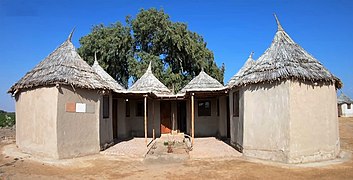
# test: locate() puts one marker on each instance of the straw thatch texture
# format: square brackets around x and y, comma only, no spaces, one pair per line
[202,82]
[63,66]
[149,83]
[115,86]
[343,99]
[248,64]
[285,59]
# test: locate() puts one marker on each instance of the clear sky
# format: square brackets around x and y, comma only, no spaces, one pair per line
[30,30]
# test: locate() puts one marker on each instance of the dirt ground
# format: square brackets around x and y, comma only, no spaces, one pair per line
[103,167]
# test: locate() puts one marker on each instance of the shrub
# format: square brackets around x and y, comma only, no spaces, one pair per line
[7,119]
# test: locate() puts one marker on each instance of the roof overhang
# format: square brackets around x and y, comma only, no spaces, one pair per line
[207,92]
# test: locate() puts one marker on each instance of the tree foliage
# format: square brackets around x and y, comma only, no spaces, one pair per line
[113,45]
[178,54]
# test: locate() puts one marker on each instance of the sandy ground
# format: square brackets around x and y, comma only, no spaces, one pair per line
[134,148]
[106,167]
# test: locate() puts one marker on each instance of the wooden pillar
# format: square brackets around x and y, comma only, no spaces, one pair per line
[192,119]
[145,115]
[173,120]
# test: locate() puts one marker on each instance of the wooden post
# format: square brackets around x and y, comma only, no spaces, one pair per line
[145,114]
[192,119]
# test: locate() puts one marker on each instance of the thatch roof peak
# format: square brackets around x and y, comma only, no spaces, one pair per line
[114,85]
[63,66]
[344,99]
[149,69]
[70,35]
[203,82]
[95,59]
[247,65]
[279,26]
[250,56]
[149,83]
[285,59]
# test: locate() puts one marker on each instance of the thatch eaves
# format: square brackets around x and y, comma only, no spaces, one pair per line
[63,66]
[149,83]
[285,59]
[202,82]
[247,65]
[114,85]
[343,99]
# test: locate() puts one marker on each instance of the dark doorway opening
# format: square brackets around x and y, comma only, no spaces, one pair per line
[181,111]
[166,122]
[228,118]
[115,118]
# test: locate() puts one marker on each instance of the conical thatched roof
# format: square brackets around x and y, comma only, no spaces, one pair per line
[248,64]
[63,66]
[115,86]
[285,59]
[149,83]
[202,82]
[343,99]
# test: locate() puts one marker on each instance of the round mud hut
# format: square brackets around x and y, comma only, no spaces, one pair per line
[205,106]
[284,107]
[145,106]
[344,104]
[58,106]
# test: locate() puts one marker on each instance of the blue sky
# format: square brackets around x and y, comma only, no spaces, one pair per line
[30,30]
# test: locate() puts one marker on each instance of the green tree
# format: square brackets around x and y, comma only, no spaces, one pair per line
[113,45]
[178,54]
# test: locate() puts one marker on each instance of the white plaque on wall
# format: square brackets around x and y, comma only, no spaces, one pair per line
[80,107]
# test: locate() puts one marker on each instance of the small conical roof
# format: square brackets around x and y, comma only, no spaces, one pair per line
[63,66]
[344,99]
[285,59]
[149,82]
[247,65]
[203,82]
[106,77]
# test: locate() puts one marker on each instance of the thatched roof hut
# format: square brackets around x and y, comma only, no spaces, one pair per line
[149,83]
[343,99]
[63,66]
[202,82]
[247,65]
[115,86]
[285,59]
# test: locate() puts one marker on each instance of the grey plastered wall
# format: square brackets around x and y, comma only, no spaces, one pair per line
[135,124]
[105,124]
[236,123]
[207,125]
[214,125]
[36,115]
[78,133]
[123,125]
[314,132]
[153,122]
[222,126]
[266,121]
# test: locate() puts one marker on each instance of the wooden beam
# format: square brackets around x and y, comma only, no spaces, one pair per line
[192,119]
[145,115]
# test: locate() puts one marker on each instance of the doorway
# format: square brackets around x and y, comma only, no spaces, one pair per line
[115,118]
[166,122]
[228,118]
[181,111]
